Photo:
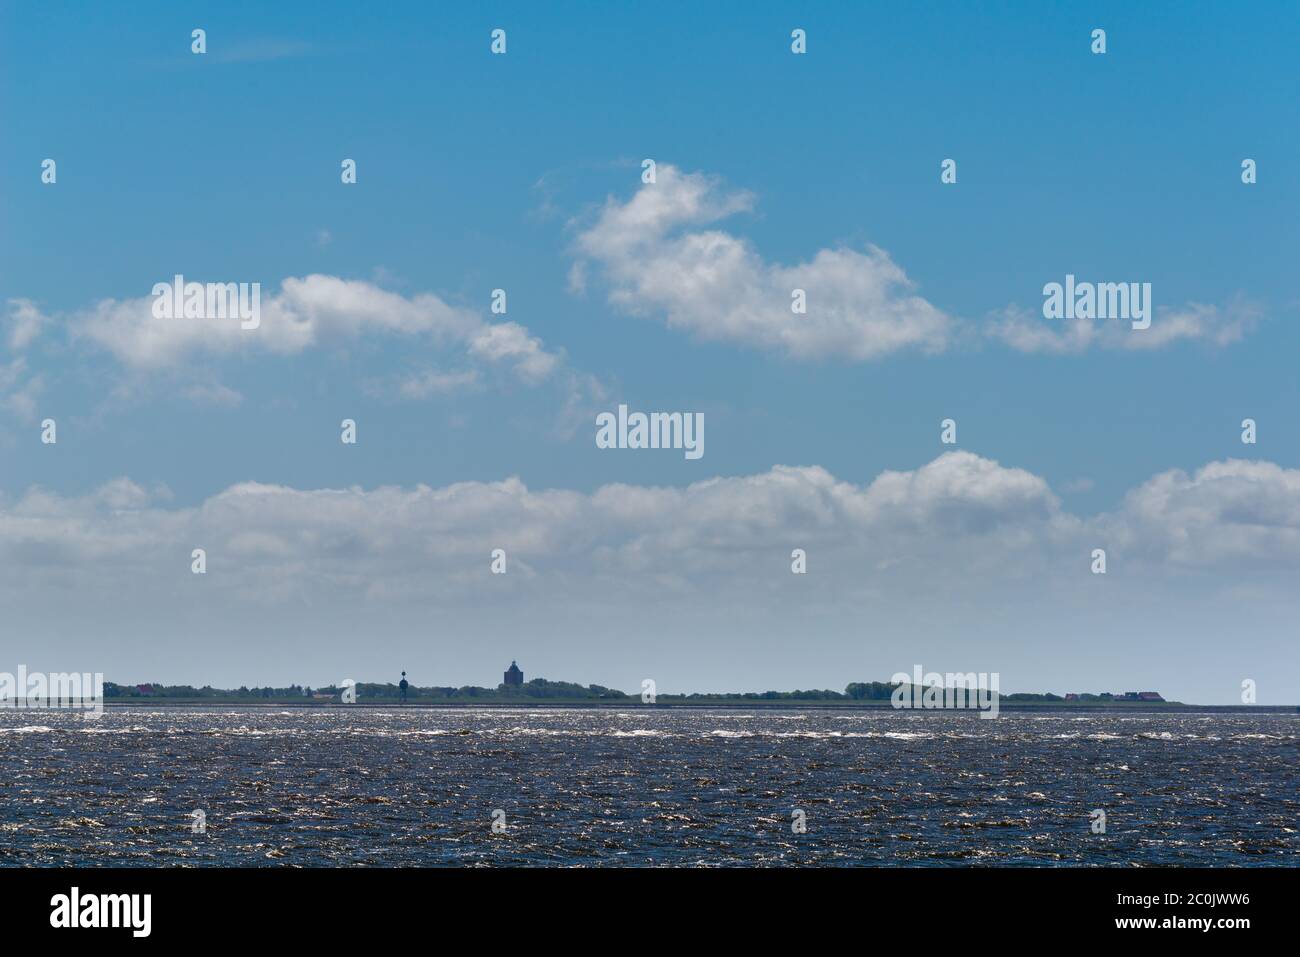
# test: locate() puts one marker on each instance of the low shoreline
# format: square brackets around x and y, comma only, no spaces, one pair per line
[1136,707]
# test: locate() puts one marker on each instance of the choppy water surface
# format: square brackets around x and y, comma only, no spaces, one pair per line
[640,787]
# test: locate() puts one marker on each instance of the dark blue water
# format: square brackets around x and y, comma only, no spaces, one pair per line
[646,787]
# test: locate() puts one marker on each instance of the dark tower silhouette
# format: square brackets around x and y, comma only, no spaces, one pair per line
[514,678]
[402,687]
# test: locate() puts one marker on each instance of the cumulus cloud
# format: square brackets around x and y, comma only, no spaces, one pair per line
[1230,511]
[511,343]
[660,259]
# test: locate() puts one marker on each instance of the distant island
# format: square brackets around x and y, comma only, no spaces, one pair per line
[514,691]
[542,689]
[541,692]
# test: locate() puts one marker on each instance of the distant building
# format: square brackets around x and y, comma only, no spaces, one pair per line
[1138,696]
[514,677]
[1118,696]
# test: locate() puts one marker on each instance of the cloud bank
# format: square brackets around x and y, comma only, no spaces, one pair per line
[960,515]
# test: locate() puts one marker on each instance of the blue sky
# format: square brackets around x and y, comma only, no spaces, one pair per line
[478,171]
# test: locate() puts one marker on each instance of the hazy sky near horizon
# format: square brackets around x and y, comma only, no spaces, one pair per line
[476,430]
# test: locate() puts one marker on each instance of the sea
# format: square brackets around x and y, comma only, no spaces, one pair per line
[643,787]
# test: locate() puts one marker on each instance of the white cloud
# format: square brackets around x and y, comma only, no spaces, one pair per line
[25,322]
[311,312]
[658,260]
[213,393]
[1027,331]
[427,382]
[1233,511]
[510,342]
[19,391]
[20,388]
